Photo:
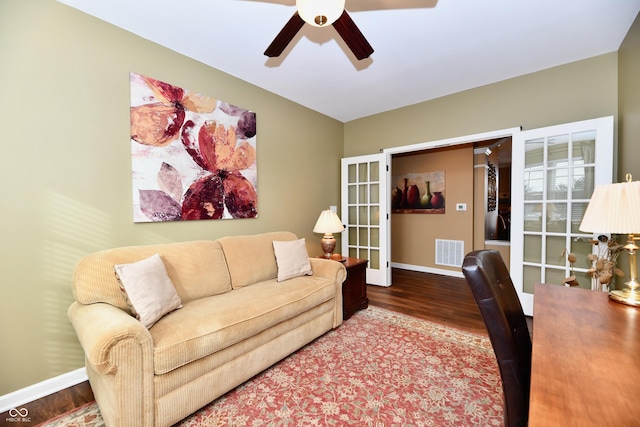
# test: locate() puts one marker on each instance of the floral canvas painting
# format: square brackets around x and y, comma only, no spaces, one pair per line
[193,157]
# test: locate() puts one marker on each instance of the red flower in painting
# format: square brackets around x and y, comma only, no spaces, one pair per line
[218,152]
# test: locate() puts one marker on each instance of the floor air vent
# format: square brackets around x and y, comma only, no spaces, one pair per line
[449,252]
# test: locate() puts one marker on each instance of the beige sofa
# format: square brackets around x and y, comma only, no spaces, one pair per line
[236,320]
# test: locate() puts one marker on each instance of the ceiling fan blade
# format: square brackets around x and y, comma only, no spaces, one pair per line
[285,36]
[352,36]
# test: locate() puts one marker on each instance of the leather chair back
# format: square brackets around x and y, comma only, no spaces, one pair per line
[501,310]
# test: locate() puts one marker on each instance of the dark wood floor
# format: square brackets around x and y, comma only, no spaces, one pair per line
[52,406]
[436,298]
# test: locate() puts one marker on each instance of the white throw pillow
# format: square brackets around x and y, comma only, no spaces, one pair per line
[292,259]
[149,289]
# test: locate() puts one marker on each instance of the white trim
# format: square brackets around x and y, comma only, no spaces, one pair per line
[452,141]
[431,270]
[497,243]
[36,391]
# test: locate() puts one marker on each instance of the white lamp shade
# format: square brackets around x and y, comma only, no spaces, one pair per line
[310,9]
[328,222]
[613,208]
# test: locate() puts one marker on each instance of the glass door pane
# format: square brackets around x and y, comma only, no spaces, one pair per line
[557,169]
[364,181]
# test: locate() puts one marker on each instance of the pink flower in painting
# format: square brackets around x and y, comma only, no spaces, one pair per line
[158,123]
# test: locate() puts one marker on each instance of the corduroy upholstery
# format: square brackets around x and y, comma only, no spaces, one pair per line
[501,310]
[234,323]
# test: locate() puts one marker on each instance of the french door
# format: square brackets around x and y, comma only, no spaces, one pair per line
[365,212]
[554,172]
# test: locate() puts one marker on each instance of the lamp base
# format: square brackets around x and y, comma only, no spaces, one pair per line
[626,296]
[630,295]
[328,244]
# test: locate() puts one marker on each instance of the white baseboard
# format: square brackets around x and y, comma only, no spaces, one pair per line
[431,270]
[33,392]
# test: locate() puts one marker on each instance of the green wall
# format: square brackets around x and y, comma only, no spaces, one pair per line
[600,86]
[629,120]
[596,87]
[576,91]
[66,174]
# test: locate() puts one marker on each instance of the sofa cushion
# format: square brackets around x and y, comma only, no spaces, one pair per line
[148,288]
[292,259]
[193,332]
[251,259]
[197,269]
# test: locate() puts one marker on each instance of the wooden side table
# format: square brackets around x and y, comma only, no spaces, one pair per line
[354,288]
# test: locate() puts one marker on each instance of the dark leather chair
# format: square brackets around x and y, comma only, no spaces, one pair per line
[501,310]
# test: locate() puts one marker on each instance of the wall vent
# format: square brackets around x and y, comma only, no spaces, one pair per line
[449,252]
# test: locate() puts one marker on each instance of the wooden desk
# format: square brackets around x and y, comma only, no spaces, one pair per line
[586,359]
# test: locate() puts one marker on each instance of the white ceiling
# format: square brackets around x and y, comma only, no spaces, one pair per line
[424,49]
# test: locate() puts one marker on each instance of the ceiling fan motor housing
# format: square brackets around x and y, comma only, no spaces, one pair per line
[320,12]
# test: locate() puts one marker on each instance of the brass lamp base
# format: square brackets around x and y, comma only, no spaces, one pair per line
[625,296]
[629,295]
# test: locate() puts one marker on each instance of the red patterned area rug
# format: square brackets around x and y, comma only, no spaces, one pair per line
[379,368]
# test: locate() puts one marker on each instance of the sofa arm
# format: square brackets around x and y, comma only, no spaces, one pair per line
[100,327]
[119,362]
[337,272]
[329,268]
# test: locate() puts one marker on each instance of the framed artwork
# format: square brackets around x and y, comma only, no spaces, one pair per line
[192,157]
[419,192]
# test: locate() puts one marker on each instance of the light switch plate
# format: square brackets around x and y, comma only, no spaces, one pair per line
[461,206]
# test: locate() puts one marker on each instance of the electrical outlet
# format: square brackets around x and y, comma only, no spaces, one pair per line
[333,208]
[461,206]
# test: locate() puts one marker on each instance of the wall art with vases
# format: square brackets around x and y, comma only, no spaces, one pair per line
[193,157]
[418,192]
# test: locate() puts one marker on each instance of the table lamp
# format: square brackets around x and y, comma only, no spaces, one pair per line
[615,209]
[328,223]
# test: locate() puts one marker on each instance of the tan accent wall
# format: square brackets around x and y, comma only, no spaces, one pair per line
[505,251]
[413,235]
[66,169]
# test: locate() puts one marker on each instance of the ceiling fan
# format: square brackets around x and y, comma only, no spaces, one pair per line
[320,13]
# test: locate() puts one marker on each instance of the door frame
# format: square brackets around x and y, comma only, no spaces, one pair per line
[448,142]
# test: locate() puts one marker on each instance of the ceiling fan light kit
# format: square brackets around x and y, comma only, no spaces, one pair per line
[320,12]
